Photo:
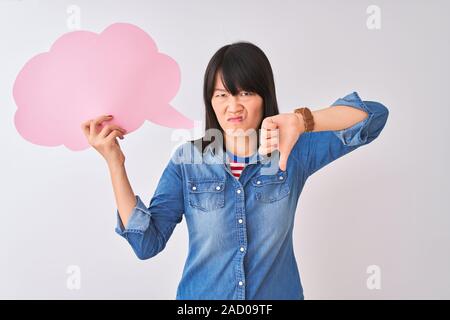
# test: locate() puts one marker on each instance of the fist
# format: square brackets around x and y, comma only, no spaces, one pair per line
[280,132]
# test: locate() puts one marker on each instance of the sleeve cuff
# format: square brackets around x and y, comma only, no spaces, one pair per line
[139,219]
[358,133]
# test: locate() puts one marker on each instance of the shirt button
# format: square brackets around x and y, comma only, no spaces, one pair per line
[242,249]
[258,182]
[241,283]
[238,191]
[194,188]
[240,220]
[218,188]
[281,177]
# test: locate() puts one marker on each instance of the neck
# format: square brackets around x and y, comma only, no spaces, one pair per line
[241,146]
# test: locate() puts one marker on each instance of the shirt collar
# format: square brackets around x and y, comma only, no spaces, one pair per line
[219,155]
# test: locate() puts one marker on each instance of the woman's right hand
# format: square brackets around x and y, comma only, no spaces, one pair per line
[104,141]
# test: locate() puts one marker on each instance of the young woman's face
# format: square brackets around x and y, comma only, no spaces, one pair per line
[243,111]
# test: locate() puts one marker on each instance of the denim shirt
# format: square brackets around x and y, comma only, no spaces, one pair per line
[240,230]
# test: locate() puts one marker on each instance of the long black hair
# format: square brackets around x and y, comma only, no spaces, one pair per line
[243,66]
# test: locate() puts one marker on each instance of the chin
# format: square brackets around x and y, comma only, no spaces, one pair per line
[240,130]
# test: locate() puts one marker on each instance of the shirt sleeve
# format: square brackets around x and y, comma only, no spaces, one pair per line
[316,149]
[149,228]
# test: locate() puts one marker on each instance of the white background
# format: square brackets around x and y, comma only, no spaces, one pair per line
[386,204]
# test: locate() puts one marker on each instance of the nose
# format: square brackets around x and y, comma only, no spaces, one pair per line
[234,107]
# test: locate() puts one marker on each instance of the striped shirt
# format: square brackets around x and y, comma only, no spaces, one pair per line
[237,164]
[236,168]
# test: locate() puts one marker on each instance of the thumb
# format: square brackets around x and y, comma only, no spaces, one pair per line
[283,161]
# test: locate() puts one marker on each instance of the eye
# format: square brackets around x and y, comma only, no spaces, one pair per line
[246,93]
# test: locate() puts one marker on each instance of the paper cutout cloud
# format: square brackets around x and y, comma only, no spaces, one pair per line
[86,75]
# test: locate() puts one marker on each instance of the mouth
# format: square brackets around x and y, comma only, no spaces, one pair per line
[235,119]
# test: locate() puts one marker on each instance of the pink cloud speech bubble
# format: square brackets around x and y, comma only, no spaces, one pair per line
[86,75]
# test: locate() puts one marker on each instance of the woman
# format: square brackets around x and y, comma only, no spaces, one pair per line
[238,207]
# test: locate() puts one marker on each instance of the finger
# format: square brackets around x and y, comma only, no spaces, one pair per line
[114,134]
[103,118]
[97,121]
[272,142]
[108,128]
[269,127]
[264,149]
[268,124]
[268,133]
[85,127]
[85,124]
[283,161]
[91,128]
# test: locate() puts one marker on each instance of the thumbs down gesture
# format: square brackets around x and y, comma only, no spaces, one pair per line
[280,132]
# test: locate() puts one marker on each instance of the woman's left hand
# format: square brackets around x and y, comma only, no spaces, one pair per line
[280,132]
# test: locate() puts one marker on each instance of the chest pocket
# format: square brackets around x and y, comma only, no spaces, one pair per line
[207,195]
[271,188]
